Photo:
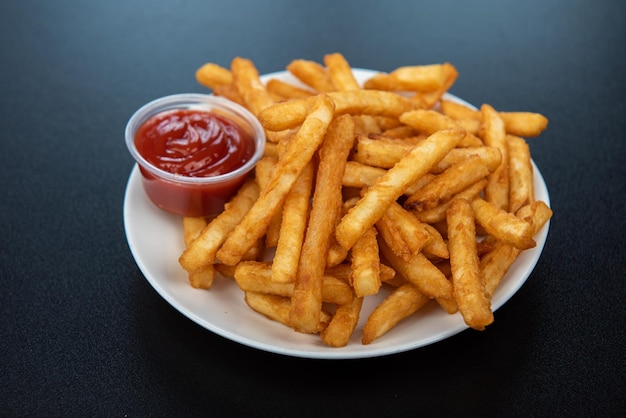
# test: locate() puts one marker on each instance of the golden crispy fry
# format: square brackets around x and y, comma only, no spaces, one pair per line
[417,78]
[504,226]
[287,90]
[393,184]
[521,187]
[420,272]
[213,75]
[203,277]
[468,288]
[251,89]
[277,308]
[438,213]
[495,263]
[430,121]
[414,233]
[428,100]
[326,206]
[340,72]
[229,92]
[379,152]
[201,252]
[525,124]
[436,247]
[312,74]
[291,114]
[454,180]
[342,324]
[263,171]
[365,277]
[294,220]
[256,276]
[494,135]
[491,157]
[403,302]
[296,157]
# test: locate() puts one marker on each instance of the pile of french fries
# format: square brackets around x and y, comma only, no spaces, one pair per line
[387,184]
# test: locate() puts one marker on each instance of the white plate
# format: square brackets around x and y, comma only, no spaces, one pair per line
[155,240]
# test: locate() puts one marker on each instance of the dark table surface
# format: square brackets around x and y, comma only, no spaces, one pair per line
[83,333]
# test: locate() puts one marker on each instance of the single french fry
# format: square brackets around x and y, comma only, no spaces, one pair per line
[342,271]
[212,75]
[495,264]
[436,247]
[422,78]
[277,308]
[294,220]
[287,90]
[521,189]
[474,306]
[438,214]
[201,251]
[453,180]
[393,183]
[342,324]
[292,162]
[379,152]
[229,92]
[256,276]
[489,155]
[203,277]
[414,233]
[503,225]
[365,277]
[340,72]
[428,100]
[431,121]
[248,83]
[494,135]
[420,272]
[312,74]
[403,302]
[325,209]
[290,114]
[524,124]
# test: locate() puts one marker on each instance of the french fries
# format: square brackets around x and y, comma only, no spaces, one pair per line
[380,186]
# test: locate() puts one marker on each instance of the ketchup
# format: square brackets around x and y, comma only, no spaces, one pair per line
[194,143]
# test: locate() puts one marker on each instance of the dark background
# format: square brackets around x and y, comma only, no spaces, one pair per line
[82,333]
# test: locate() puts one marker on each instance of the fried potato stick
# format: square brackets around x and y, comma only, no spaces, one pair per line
[495,264]
[438,214]
[521,188]
[325,209]
[201,251]
[294,220]
[422,78]
[431,121]
[340,72]
[212,75]
[403,302]
[365,277]
[203,277]
[342,324]
[312,74]
[290,114]
[256,276]
[452,181]
[277,308]
[298,154]
[469,293]
[420,272]
[494,135]
[503,225]
[392,184]
[248,83]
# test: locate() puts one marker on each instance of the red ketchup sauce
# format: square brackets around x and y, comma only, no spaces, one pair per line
[193,143]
